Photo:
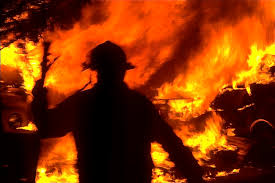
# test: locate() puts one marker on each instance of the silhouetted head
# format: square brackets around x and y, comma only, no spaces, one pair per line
[110,62]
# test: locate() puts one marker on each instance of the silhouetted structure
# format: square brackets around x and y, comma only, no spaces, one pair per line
[41,16]
[113,126]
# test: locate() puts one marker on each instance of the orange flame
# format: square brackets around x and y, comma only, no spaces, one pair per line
[57,162]
[211,139]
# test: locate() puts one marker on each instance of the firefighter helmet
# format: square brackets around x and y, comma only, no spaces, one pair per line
[107,55]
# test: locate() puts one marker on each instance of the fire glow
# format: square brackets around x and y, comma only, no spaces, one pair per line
[228,54]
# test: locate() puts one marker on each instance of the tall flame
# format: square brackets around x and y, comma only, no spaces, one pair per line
[27,61]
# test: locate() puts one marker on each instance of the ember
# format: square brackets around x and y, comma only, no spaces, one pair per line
[204,65]
[29,127]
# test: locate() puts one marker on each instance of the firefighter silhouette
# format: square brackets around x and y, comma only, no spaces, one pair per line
[113,126]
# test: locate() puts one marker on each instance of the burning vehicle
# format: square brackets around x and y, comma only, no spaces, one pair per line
[248,121]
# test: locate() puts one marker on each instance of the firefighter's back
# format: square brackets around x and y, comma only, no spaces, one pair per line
[113,136]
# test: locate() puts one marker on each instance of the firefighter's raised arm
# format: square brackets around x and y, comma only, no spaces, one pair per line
[54,122]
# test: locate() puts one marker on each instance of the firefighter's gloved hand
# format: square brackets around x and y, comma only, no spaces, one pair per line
[39,102]
[39,90]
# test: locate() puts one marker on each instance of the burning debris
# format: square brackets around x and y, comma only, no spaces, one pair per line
[208,67]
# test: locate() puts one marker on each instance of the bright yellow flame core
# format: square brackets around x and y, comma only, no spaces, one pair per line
[259,62]
[211,139]
[57,164]
[30,127]
[224,173]
[27,63]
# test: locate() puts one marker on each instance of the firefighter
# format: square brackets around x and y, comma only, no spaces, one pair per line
[113,125]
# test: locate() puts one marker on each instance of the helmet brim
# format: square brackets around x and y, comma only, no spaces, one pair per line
[126,66]
[129,66]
